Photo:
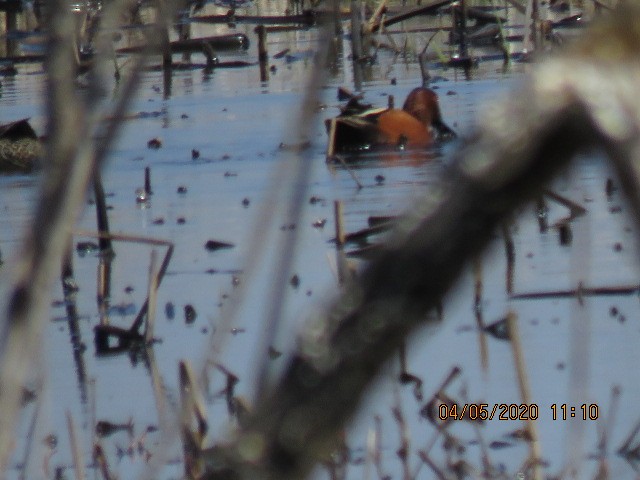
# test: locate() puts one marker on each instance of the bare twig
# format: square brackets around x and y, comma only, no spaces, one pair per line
[525,393]
[76,450]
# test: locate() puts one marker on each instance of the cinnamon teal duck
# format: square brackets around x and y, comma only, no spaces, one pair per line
[359,127]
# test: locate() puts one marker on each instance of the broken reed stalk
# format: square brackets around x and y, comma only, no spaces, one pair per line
[346,166]
[357,53]
[192,407]
[460,27]
[152,297]
[338,216]
[356,31]
[139,320]
[535,455]
[477,283]
[66,273]
[607,426]
[510,252]
[424,456]
[477,302]
[31,440]
[375,17]
[76,449]
[263,55]
[162,24]
[625,448]
[101,459]
[575,208]
[299,417]
[104,287]
[147,181]
[403,451]
[331,144]
[341,260]
[372,446]
[101,214]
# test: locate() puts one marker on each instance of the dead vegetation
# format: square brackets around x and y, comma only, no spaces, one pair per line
[297,421]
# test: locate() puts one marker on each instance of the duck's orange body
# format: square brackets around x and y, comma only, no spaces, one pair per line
[417,125]
[397,127]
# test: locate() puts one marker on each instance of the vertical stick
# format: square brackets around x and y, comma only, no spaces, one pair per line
[337,20]
[477,282]
[76,450]
[191,405]
[541,212]
[184,30]
[67,268]
[147,181]
[477,301]
[151,295]
[340,257]
[101,214]
[525,392]
[163,24]
[463,29]
[356,43]
[356,30]
[263,56]
[104,288]
[101,459]
[331,147]
[535,23]
[510,251]
[11,19]
[337,210]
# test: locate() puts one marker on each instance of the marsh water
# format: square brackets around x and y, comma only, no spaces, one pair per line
[245,133]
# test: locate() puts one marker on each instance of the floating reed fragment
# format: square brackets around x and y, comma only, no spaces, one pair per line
[580,291]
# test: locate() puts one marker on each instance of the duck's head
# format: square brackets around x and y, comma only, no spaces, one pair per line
[422,103]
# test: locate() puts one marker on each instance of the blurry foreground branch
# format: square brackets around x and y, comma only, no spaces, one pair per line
[585,98]
[78,139]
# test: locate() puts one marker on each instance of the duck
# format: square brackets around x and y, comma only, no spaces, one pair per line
[20,147]
[360,127]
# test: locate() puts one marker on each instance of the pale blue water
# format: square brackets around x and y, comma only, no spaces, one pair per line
[237,125]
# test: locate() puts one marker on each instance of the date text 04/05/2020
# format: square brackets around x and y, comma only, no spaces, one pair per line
[514,411]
